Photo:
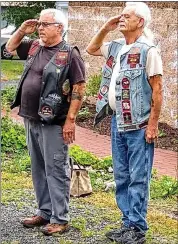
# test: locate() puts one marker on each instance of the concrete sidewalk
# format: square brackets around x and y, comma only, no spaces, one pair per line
[165,161]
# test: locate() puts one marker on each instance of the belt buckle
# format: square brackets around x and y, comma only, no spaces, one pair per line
[130,127]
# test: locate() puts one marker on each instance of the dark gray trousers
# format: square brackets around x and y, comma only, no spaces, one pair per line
[50,170]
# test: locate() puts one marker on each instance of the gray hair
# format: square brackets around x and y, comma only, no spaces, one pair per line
[142,10]
[58,15]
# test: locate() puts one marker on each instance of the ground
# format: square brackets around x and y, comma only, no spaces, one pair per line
[167,135]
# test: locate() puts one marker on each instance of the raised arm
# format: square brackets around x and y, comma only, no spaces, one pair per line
[27,27]
[97,41]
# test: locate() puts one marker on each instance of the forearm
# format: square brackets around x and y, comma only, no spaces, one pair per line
[76,100]
[97,41]
[15,40]
[155,109]
[156,102]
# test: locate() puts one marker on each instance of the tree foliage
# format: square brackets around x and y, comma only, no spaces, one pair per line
[18,12]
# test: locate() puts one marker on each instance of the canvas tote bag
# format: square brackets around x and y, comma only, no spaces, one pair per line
[80,180]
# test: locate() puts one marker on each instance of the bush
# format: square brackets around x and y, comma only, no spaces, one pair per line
[82,157]
[85,158]
[93,85]
[163,187]
[83,114]
[16,163]
[12,136]
[7,95]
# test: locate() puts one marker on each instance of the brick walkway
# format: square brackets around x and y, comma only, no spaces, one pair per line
[165,161]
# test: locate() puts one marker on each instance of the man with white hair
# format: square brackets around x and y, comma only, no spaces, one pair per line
[50,95]
[130,90]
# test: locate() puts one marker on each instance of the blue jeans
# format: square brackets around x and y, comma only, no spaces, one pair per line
[132,165]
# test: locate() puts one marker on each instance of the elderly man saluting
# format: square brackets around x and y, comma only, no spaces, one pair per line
[132,87]
[50,95]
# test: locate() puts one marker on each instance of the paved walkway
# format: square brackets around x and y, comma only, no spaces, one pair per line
[165,161]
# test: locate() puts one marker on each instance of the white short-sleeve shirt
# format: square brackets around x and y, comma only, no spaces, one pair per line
[153,67]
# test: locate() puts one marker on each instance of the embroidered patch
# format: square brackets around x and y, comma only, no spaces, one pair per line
[66,87]
[133,58]
[61,58]
[125,94]
[33,48]
[125,83]
[110,61]
[55,97]
[46,110]
[127,118]
[126,105]
[104,89]
[100,96]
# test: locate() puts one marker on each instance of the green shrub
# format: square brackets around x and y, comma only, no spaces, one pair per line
[12,136]
[93,85]
[16,162]
[7,95]
[162,187]
[83,113]
[105,163]
[82,157]
[85,158]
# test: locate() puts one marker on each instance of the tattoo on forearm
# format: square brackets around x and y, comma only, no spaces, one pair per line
[76,96]
[152,103]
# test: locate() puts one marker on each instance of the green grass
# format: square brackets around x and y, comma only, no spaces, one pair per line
[11,69]
[16,187]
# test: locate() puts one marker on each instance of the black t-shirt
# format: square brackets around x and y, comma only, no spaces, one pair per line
[31,87]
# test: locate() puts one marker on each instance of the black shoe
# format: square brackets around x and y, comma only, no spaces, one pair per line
[133,236]
[115,235]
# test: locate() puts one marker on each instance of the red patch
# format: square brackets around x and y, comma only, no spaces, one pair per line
[110,61]
[133,58]
[125,83]
[99,96]
[35,45]
[126,106]
[61,58]
[127,118]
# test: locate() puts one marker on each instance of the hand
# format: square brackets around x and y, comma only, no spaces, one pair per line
[29,26]
[112,23]
[151,133]
[69,131]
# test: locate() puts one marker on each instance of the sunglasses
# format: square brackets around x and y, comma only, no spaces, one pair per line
[45,24]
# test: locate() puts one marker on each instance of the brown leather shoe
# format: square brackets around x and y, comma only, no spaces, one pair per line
[34,221]
[50,229]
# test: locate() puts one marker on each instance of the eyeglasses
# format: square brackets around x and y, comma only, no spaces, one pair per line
[45,24]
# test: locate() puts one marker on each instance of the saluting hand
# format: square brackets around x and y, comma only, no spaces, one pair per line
[29,26]
[112,23]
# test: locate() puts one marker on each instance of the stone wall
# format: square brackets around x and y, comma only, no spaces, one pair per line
[85,19]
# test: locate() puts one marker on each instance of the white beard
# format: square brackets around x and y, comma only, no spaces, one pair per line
[41,42]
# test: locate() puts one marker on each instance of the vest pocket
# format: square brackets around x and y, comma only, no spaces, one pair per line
[132,74]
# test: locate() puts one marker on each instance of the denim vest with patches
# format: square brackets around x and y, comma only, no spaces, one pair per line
[133,92]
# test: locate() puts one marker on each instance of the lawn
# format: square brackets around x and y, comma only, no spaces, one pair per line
[11,69]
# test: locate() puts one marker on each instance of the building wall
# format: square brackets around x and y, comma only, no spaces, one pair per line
[86,18]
